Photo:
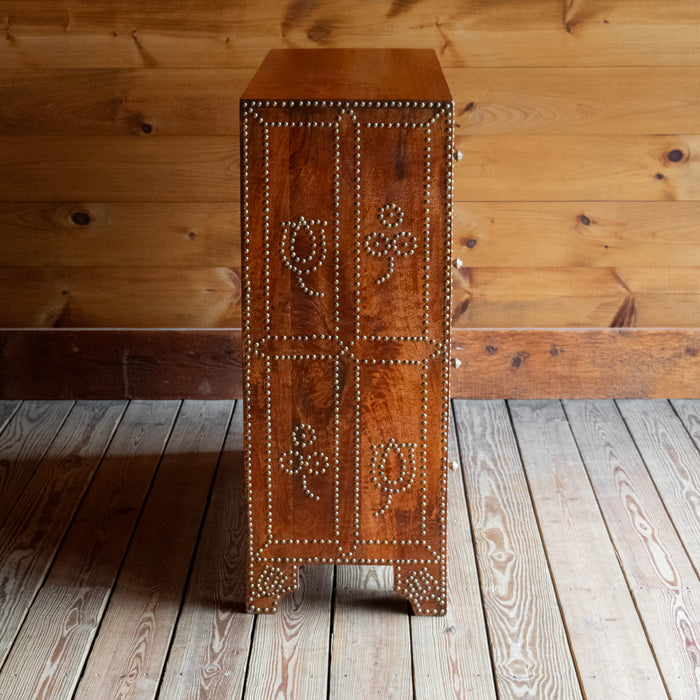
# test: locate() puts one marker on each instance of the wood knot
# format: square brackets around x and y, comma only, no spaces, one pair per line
[584,220]
[471,242]
[491,350]
[146,128]
[676,155]
[81,218]
[659,176]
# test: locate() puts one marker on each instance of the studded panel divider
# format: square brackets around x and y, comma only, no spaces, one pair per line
[346,205]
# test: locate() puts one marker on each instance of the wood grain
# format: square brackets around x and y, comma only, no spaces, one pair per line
[597,606]
[577,234]
[144,102]
[481,34]
[493,363]
[688,410]
[528,639]
[121,363]
[657,569]
[566,100]
[602,167]
[104,297]
[672,460]
[127,658]
[289,653]
[209,653]
[370,648]
[575,363]
[119,168]
[51,648]
[7,410]
[494,168]
[451,656]
[35,527]
[196,235]
[23,443]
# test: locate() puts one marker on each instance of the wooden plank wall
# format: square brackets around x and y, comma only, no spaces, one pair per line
[577,196]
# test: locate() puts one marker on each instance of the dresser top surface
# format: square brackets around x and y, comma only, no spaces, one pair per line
[349,74]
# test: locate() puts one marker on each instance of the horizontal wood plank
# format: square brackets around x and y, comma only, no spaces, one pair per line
[577,234]
[604,100]
[492,363]
[494,168]
[120,363]
[607,167]
[143,102]
[120,234]
[483,297]
[119,168]
[576,363]
[486,234]
[205,33]
[120,297]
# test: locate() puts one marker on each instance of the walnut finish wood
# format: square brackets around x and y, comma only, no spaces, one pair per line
[345,204]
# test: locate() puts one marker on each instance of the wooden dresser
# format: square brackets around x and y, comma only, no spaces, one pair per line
[346,188]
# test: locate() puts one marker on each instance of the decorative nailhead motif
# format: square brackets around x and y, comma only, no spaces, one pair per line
[295,263]
[390,245]
[311,249]
[295,462]
[405,453]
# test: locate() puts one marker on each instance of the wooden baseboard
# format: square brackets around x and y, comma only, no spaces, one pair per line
[489,363]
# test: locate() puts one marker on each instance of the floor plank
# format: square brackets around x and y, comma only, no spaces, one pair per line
[7,410]
[451,656]
[662,580]
[688,411]
[129,653]
[672,459]
[35,527]
[607,638]
[46,660]
[210,649]
[289,656]
[530,651]
[23,443]
[371,648]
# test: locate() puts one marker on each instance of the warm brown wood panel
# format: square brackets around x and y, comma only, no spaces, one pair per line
[120,234]
[594,297]
[120,297]
[113,169]
[204,101]
[609,167]
[522,297]
[489,363]
[603,100]
[577,234]
[567,363]
[208,33]
[120,363]
[121,102]
[495,168]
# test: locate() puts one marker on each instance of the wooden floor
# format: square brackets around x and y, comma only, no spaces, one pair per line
[574,546]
